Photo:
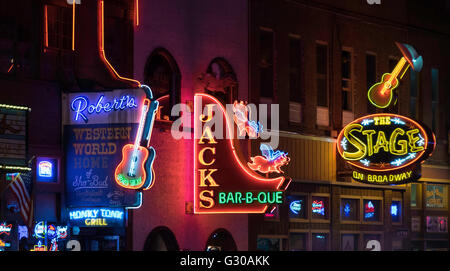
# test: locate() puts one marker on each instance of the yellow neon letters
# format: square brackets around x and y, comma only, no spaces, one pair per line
[394,145]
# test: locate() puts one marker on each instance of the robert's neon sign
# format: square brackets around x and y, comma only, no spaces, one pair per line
[385,148]
[83,107]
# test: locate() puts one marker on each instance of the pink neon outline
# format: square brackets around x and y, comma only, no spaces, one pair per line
[251,174]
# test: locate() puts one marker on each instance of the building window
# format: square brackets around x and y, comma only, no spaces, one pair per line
[319,241]
[266,63]
[346,70]
[295,88]
[297,206]
[58,27]
[371,78]
[319,207]
[416,192]
[322,75]
[162,74]
[396,211]
[372,210]
[349,242]
[436,196]
[434,97]
[298,241]
[350,209]
[270,244]
[414,86]
[437,224]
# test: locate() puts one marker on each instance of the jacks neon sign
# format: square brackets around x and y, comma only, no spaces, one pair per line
[385,148]
[222,182]
[83,107]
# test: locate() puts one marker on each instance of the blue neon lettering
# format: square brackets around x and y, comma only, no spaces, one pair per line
[81,106]
[95,213]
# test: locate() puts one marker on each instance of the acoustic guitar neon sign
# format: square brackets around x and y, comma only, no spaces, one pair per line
[385,148]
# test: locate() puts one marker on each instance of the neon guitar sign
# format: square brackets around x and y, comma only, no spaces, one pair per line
[381,93]
[135,171]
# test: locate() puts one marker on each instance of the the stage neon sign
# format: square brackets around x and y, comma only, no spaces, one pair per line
[222,182]
[83,107]
[385,148]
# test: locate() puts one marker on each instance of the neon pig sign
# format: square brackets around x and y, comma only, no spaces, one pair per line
[222,182]
[385,148]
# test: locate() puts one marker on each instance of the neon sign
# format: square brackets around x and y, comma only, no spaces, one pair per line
[45,169]
[347,209]
[385,148]
[5,229]
[97,217]
[296,206]
[369,210]
[82,106]
[135,171]
[40,230]
[318,207]
[270,162]
[382,93]
[222,182]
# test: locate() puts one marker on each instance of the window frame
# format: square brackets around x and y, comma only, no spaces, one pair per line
[381,210]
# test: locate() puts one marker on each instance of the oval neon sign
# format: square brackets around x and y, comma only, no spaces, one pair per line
[384,142]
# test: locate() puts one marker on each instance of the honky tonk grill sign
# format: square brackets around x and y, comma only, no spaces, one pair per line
[385,148]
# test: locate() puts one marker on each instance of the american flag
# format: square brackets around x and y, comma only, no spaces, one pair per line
[21,187]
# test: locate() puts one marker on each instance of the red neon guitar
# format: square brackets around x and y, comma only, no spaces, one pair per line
[381,94]
[137,160]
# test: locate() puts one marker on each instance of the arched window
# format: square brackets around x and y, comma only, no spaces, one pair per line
[219,80]
[162,74]
[161,239]
[221,240]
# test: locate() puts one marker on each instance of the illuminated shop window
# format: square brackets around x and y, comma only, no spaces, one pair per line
[319,207]
[319,241]
[349,242]
[265,65]
[270,244]
[298,241]
[371,210]
[436,196]
[437,224]
[58,27]
[396,211]
[350,209]
[371,77]
[297,206]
